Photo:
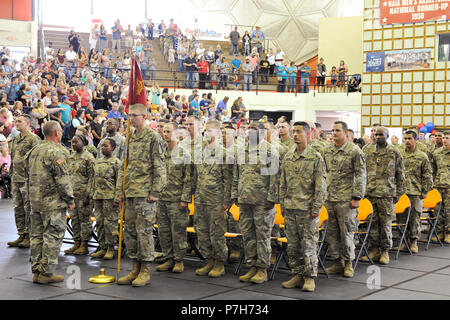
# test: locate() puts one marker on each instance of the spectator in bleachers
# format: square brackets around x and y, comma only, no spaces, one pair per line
[94,36]
[182,52]
[236,64]
[321,74]
[305,73]
[248,69]
[74,40]
[117,30]
[150,27]
[292,72]
[282,77]
[246,44]
[342,75]
[264,67]
[224,69]
[257,42]
[234,41]
[103,38]
[191,67]
[203,71]
[254,60]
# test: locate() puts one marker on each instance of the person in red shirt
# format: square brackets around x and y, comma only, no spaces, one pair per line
[84,95]
[203,70]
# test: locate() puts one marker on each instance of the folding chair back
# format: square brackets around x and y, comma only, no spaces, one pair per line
[191,207]
[364,217]
[432,206]
[432,200]
[323,225]
[234,210]
[402,207]
[365,210]
[323,216]
[279,219]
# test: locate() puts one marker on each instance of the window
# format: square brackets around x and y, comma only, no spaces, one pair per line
[444,47]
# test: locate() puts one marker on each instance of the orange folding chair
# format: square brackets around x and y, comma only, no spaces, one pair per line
[365,215]
[402,207]
[432,207]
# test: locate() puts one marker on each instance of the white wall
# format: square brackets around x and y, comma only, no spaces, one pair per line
[303,106]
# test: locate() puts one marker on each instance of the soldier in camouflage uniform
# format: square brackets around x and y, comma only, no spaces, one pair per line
[346,183]
[302,193]
[50,196]
[419,181]
[372,142]
[285,138]
[252,180]
[212,187]
[103,192]
[315,142]
[235,245]
[89,146]
[172,215]
[144,180]
[81,168]
[112,125]
[385,186]
[21,144]
[441,173]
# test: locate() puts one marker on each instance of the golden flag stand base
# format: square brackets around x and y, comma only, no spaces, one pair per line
[102,278]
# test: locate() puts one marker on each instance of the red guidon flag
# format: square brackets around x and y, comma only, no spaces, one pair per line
[136,91]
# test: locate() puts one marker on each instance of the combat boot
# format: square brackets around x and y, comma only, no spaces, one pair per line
[35,277]
[159,256]
[309,285]
[109,255]
[166,266]
[143,277]
[292,283]
[203,271]
[132,275]
[374,255]
[16,242]
[260,276]
[447,238]
[217,271]
[99,254]
[25,243]
[76,245]
[246,277]
[402,247]
[179,267]
[414,247]
[273,257]
[441,237]
[235,255]
[337,267]
[83,249]
[52,278]
[384,258]
[348,269]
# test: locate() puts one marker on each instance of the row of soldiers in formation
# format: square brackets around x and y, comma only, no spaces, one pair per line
[156,187]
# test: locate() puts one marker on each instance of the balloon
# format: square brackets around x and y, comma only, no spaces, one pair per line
[423,129]
[430,126]
[420,125]
[434,131]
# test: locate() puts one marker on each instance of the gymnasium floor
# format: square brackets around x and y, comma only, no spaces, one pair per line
[425,276]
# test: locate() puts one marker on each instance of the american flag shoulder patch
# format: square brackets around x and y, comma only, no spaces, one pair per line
[60,161]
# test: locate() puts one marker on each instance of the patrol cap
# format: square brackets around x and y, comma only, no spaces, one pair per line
[138,109]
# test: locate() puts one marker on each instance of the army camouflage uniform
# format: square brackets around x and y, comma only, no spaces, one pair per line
[419,180]
[91,149]
[50,195]
[288,143]
[171,219]
[103,192]
[346,180]
[118,151]
[212,189]
[251,185]
[385,180]
[145,175]
[81,169]
[302,192]
[319,146]
[441,174]
[19,148]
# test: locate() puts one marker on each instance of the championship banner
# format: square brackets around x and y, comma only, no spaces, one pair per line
[413,11]
[375,61]
[415,59]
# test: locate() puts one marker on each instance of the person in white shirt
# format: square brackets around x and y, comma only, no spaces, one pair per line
[279,57]
[49,51]
[71,55]
[271,61]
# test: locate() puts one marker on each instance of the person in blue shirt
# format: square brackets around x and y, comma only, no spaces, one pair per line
[11,91]
[305,73]
[236,65]
[114,112]
[282,77]
[292,72]
[222,105]
[194,106]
